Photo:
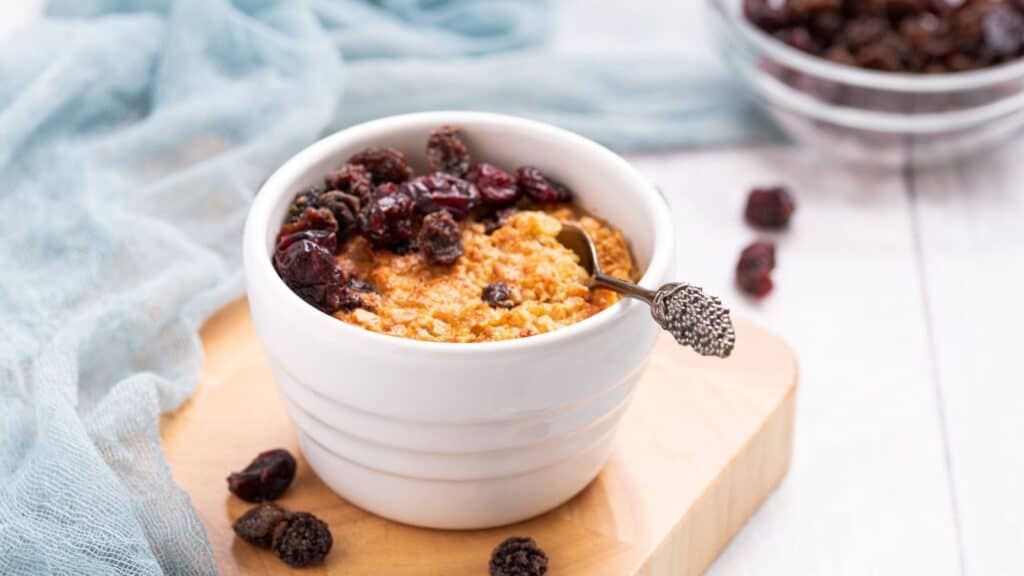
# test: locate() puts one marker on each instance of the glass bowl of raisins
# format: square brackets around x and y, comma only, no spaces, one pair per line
[882,82]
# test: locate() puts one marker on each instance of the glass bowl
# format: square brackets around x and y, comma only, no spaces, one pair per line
[870,117]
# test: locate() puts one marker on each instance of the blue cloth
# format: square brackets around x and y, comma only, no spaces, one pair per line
[133,134]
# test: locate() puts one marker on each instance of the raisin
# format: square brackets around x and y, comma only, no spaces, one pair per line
[301,539]
[518,556]
[753,271]
[266,477]
[864,31]
[446,152]
[536,186]
[299,204]
[442,191]
[799,38]
[497,219]
[352,178]
[498,295]
[311,272]
[257,525]
[324,238]
[387,220]
[440,238]
[383,164]
[345,208]
[766,14]
[769,207]
[497,187]
[311,219]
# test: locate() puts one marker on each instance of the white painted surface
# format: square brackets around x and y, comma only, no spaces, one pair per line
[901,294]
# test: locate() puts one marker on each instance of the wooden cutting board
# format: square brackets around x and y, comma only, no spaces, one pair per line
[703,444]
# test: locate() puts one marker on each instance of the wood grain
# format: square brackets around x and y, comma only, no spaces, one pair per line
[703,444]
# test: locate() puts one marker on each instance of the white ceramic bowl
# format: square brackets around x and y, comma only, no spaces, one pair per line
[460,435]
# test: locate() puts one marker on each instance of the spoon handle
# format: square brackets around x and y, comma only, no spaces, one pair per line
[693,318]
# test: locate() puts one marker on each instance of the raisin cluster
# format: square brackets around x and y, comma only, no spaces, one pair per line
[915,36]
[376,195]
[299,539]
[768,208]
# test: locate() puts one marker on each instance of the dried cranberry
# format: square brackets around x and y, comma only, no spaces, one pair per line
[311,219]
[257,525]
[299,204]
[323,238]
[497,187]
[387,220]
[518,556]
[498,295]
[352,178]
[769,207]
[311,272]
[766,14]
[442,191]
[753,271]
[498,218]
[440,238]
[535,185]
[384,164]
[266,477]
[302,539]
[446,152]
[345,208]
[799,38]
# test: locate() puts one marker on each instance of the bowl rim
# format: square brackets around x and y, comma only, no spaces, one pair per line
[893,81]
[258,266]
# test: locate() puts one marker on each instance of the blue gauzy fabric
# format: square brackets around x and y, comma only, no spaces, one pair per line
[133,134]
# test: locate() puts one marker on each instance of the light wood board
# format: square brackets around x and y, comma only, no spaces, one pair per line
[703,444]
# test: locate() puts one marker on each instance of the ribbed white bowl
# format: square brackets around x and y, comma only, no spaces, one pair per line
[459,435]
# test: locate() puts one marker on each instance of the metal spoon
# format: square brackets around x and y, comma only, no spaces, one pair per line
[693,318]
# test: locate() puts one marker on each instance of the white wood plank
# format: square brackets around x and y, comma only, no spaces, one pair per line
[868,490]
[971,221]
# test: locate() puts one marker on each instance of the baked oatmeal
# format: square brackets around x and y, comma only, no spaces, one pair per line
[467,253]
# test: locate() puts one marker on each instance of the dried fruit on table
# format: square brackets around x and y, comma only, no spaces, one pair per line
[769,207]
[446,152]
[302,539]
[257,525]
[753,271]
[384,165]
[265,478]
[538,187]
[440,238]
[518,556]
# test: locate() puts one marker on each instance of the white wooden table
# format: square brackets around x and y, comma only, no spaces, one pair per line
[901,293]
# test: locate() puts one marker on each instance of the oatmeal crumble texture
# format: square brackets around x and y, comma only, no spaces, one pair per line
[443,304]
